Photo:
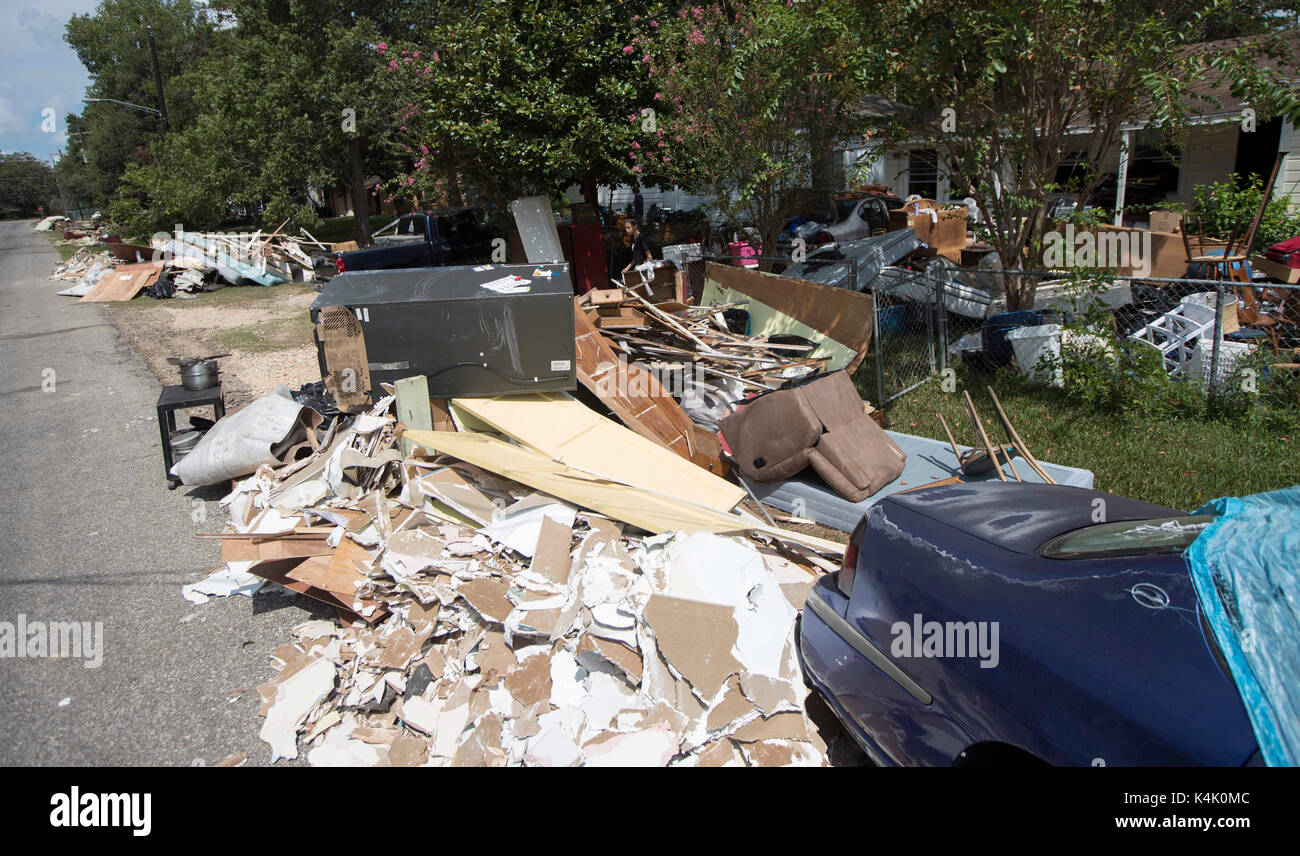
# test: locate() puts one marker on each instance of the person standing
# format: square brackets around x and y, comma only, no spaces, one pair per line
[632,237]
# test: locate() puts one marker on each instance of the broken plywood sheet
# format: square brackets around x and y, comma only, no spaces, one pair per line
[563,428]
[650,511]
[638,399]
[123,283]
[839,319]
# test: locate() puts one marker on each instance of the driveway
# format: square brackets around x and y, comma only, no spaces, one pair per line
[90,533]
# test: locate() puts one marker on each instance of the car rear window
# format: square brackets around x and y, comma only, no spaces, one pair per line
[1129,538]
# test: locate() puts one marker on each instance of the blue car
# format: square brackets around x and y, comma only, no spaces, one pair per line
[1022,624]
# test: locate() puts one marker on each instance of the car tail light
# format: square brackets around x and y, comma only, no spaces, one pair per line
[844,580]
[338,263]
[821,238]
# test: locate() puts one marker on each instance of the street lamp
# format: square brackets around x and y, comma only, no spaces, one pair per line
[140,107]
[161,110]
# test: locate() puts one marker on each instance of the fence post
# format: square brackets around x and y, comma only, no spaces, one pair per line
[1218,338]
[875,332]
[930,320]
[941,310]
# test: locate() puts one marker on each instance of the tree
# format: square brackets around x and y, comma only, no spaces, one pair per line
[754,94]
[292,97]
[111,44]
[26,185]
[999,103]
[521,96]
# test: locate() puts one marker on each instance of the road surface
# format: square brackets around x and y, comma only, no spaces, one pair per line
[90,533]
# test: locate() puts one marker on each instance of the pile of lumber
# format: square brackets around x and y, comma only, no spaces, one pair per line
[672,333]
[266,259]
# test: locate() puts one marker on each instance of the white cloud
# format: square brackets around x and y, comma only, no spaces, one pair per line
[46,29]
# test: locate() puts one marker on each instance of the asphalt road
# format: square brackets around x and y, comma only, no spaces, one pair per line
[90,533]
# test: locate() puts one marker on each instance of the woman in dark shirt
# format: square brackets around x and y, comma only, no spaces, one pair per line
[633,238]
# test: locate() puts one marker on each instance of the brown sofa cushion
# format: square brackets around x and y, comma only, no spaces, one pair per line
[862,454]
[770,437]
[821,423]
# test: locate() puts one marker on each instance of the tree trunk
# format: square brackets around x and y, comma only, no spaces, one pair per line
[360,199]
[589,186]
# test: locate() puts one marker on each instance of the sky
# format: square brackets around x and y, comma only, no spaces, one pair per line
[38,70]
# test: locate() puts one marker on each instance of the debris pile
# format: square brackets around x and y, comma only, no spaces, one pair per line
[187,263]
[264,259]
[677,335]
[498,607]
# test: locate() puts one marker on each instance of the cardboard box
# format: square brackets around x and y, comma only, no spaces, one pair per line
[946,235]
[1277,270]
[1166,221]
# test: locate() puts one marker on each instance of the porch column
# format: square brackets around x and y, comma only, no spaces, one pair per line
[1125,144]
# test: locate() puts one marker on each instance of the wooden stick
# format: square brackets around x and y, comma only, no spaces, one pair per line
[1016,441]
[984,438]
[1007,457]
[669,320]
[956,453]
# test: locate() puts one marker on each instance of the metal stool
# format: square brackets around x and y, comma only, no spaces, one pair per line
[175,398]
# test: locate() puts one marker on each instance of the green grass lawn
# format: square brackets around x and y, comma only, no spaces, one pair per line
[1177,462]
[338,229]
[65,251]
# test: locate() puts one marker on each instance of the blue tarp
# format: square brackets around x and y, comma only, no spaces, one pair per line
[1246,569]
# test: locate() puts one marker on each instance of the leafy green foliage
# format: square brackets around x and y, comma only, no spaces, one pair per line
[1231,204]
[1023,78]
[752,95]
[111,43]
[26,184]
[291,95]
[520,96]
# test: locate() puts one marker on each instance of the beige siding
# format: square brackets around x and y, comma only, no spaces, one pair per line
[1289,180]
[1211,152]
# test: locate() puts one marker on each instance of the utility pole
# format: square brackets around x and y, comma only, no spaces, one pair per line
[157,81]
[54,162]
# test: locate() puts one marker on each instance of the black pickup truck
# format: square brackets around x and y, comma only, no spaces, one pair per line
[451,236]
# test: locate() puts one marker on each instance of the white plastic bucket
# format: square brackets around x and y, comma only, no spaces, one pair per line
[1030,345]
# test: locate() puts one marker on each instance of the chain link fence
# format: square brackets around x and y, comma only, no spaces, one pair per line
[1234,344]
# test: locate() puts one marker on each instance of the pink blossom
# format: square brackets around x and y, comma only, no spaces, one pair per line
[424,149]
[435,56]
[654,24]
[382,47]
[627,49]
[415,55]
[645,58]
[658,96]
[392,65]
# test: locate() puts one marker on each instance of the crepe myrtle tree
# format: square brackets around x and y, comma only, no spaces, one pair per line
[753,95]
[522,97]
[999,104]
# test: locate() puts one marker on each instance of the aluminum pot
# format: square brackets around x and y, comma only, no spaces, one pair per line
[199,375]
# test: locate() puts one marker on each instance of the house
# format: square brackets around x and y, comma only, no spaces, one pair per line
[1223,138]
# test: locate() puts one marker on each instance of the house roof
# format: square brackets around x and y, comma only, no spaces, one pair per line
[1213,99]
